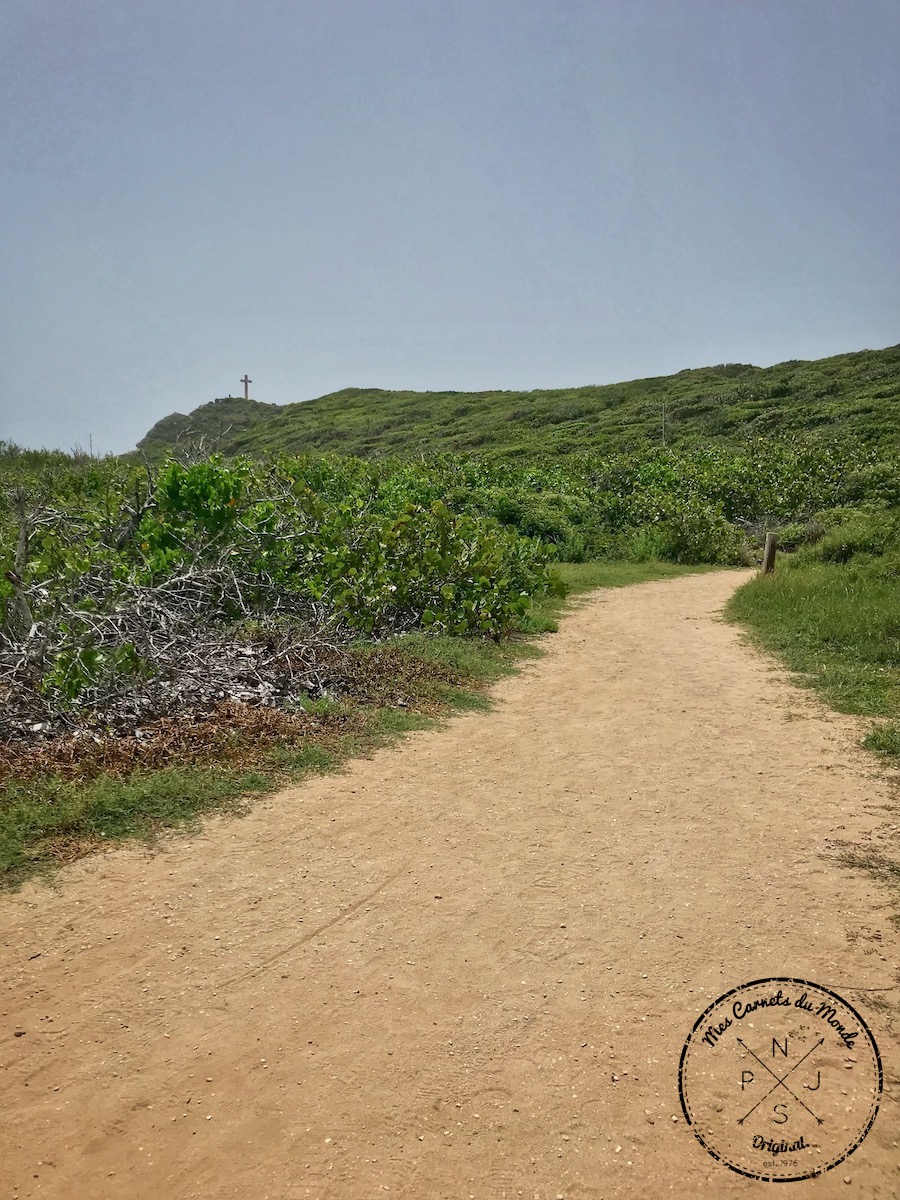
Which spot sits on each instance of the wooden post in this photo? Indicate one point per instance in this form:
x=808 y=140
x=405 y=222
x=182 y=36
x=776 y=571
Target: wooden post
x=768 y=564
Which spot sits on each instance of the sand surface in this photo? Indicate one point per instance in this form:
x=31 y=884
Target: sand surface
x=467 y=966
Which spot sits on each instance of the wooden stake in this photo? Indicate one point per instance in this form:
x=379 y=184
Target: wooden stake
x=768 y=565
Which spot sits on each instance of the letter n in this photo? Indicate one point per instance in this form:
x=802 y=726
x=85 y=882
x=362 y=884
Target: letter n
x=783 y=1049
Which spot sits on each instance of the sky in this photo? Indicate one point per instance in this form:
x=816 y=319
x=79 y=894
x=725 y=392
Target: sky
x=431 y=194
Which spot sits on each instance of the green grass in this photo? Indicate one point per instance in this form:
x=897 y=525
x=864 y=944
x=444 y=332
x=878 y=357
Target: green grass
x=832 y=613
x=885 y=740
x=46 y=820
x=856 y=393
x=837 y=625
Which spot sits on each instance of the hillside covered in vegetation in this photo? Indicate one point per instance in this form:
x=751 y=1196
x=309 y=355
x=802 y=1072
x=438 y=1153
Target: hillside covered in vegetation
x=850 y=394
x=221 y=420
x=267 y=589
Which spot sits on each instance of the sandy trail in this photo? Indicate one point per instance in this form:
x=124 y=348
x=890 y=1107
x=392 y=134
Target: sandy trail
x=418 y=978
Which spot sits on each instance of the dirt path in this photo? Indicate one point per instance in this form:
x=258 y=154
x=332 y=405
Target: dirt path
x=466 y=967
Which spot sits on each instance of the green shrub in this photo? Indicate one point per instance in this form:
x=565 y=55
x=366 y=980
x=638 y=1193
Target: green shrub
x=857 y=533
x=700 y=534
x=799 y=533
x=334 y=542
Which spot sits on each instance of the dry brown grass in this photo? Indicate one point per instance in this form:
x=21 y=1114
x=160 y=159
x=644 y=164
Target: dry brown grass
x=233 y=734
x=236 y=734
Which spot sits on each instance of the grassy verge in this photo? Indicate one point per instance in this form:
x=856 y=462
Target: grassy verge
x=56 y=806
x=832 y=614
x=838 y=626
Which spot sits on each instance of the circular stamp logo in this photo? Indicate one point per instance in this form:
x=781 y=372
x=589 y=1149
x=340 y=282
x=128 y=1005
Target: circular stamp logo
x=780 y=1079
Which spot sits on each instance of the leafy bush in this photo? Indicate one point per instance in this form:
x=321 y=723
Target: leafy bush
x=106 y=572
x=700 y=533
x=854 y=534
x=799 y=533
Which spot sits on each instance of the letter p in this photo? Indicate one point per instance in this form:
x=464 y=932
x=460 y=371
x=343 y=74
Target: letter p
x=746 y=1077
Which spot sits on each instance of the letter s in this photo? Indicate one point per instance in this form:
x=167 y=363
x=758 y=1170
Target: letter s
x=781 y=1116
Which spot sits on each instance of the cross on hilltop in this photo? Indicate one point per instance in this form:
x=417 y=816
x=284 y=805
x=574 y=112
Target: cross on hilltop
x=246 y=382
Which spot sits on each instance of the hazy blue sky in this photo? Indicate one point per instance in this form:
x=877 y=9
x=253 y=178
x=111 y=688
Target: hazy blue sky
x=432 y=194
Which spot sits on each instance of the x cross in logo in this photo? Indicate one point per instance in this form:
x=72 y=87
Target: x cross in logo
x=779 y=1082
